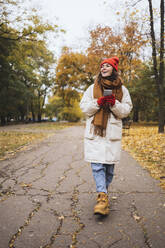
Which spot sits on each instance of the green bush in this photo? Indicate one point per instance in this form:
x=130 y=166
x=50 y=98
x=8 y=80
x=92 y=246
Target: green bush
x=72 y=114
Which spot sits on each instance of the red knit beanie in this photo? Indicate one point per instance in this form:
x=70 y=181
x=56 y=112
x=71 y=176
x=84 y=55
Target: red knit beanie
x=114 y=61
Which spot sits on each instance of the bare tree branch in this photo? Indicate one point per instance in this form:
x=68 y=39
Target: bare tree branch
x=134 y=4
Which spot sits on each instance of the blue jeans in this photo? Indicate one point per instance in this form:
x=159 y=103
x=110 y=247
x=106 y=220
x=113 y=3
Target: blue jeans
x=103 y=175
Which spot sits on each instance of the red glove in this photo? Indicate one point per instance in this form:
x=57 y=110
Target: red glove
x=110 y=99
x=101 y=101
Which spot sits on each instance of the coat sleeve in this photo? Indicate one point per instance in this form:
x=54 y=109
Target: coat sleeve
x=123 y=108
x=88 y=104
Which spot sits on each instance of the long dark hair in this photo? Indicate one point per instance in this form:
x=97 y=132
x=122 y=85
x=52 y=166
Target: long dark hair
x=112 y=78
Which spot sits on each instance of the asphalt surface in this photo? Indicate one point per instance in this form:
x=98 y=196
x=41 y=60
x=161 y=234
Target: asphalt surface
x=48 y=194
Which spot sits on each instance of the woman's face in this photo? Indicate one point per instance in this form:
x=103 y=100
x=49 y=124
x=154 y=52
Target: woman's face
x=106 y=70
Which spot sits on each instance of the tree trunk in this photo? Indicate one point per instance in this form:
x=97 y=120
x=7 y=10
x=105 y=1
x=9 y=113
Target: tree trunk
x=8 y=118
x=158 y=76
x=136 y=115
x=3 y=120
x=39 y=117
x=33 y=114
x=161 y=71
x=39 y=107
x=22 y=117
x=33 y=117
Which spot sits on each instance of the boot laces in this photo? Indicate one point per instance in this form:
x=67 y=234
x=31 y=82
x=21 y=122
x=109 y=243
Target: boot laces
x=102 y=198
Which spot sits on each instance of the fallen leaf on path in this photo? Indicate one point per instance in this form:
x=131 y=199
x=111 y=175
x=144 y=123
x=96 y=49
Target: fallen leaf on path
x=136 y=217
x=26 y=185
x=114 y=197
x=61 y=217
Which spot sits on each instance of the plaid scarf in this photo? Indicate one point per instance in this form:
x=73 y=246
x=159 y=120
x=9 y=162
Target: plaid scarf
x=101 y=117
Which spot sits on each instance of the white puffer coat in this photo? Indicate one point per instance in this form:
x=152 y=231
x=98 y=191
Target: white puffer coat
x=106 y=149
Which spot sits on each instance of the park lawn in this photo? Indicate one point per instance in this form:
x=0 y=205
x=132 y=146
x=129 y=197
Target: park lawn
x=13 y=141
x=148 y=147
x=49 y=125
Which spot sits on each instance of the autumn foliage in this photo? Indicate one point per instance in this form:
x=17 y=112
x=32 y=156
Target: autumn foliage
x=147 y=146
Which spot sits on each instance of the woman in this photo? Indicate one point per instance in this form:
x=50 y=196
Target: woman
x=102 y=142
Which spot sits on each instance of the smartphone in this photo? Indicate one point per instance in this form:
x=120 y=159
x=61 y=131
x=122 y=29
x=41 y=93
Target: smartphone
x=107 y=92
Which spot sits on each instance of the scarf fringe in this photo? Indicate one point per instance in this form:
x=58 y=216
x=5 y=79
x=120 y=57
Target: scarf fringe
x=99 y=131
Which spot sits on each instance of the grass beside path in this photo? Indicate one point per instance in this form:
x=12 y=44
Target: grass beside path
x=17 y=137
x=12 y=141
x=148 y=147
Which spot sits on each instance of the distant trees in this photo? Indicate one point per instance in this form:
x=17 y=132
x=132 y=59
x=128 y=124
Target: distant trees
x=70 y=80
x=25 y=64
x=144 y=95
x=156 y=41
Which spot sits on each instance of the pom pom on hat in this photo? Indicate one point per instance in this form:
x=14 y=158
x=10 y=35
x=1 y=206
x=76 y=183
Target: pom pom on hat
x=114 y=61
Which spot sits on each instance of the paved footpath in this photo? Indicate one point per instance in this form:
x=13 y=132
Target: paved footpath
x=48 y=194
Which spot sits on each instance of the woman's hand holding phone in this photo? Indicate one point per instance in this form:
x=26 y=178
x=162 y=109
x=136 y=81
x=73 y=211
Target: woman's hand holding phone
x=101 y=101
x=110 y=99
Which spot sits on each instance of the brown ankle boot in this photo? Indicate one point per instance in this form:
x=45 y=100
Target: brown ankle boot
x=102 y=206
